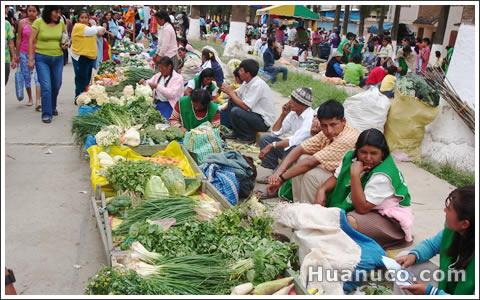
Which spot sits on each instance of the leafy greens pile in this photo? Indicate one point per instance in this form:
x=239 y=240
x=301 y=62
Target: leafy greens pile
x=415 y=85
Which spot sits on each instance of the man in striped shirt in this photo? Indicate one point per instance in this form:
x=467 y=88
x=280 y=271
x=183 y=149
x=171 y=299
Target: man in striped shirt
x=317 y=157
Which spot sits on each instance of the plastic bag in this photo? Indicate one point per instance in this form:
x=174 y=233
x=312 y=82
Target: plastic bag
x=175 y=150
x=203 y=140
x=405 y=126
x=155 y=188
x=19 y=85
x=367 y=110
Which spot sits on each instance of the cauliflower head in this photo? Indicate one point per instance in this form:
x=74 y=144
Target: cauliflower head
x=128 y=91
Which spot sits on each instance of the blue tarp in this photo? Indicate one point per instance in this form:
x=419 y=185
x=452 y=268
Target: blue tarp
x=386 y=27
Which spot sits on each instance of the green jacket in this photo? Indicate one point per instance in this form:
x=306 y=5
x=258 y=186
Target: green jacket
x=187 y=115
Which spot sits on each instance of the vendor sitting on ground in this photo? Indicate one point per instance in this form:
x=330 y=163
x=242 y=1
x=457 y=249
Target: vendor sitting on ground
x=375 y=77
x=209 y=61
x=251 y=106
x=371 y=189
x=406 y=59
x=182 y=42
x=297 y=115
x=189 y=64
x=317 y=157
x=193 y=110
x=203 y=81
x=354 y=71
x=388 y=82
x=257 y=48
x=456 y=246
x=167 y=86
x=269 y=56
x=333 y=66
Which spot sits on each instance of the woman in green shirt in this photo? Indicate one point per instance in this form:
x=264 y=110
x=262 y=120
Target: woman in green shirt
x=47 y=33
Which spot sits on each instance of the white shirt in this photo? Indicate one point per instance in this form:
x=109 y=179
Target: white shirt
x=88 y=31
x=378 y=188
x=299 y=126
x=291 y=34
x=258 y=45
x=172 y=19
x=205 y=65
x=258 y=97
x=191 y=84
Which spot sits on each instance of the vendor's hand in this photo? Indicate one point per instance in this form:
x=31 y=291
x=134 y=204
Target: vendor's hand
x=357 y=167
x=286 y=108
x=152 y=85
x=273 y=188
x=184 y=129
x=31 y=65
x=406 y=260
x=142 y=81
x=321 y=197
x=418 y=288
x=263 y=153
x=274 y=179
x=316 y=127
x=227 y=89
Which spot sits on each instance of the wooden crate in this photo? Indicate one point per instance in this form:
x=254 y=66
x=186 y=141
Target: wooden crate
x=146 y=150
x=103 y=218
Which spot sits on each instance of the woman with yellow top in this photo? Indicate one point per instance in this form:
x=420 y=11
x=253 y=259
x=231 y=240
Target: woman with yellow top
x=84 y=50
x=48 y=55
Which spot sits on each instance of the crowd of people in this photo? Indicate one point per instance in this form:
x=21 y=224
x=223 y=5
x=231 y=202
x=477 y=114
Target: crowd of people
x=325 y=161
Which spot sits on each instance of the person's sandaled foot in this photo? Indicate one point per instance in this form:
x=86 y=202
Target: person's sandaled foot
x=263 y=194
x=38 y=108
x=30 y=103
x=263 y=180
x=47 y=120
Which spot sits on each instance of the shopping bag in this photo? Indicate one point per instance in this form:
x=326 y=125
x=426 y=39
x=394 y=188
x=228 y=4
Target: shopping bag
x=406 y=121
x=202 y=141
x=19 y=85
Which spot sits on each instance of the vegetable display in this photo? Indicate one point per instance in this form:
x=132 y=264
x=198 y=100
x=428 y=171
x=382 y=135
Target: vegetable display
x=107 y=67
x=415 y=85
x=162 y=134
x=127 y=46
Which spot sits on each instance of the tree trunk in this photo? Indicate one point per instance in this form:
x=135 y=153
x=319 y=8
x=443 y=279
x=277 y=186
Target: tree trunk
x=194 y=28
x=316 y=9
x=380 y=21
x=236 y=47
x=437 y=43
x=396 y=20
x=336 y=21
x=361 y=25
x=346 y=14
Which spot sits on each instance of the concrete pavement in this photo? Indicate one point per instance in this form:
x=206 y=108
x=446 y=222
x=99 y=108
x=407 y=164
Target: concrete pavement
x=49 y=225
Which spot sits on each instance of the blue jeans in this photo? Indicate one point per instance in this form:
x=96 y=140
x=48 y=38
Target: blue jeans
x=83 y=73
x=272 y=159
x=389 y=94
x=275 y=70
x=27 y=73
x=49 y=69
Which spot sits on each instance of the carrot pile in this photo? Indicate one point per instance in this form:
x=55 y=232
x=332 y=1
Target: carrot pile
x=161 y=160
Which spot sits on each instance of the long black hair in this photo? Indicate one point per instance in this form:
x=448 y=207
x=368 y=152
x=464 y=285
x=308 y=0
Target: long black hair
x=47 y=13
x=161 y=14
x=201 y=96
x=208 y=72
x=166 y=61
x=463 y=246
x=209 y=55
x=372 y=137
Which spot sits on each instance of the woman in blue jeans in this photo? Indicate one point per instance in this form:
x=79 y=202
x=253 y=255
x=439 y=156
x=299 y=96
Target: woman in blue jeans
x=269 y=57
x=47 y=33
x=84 y=51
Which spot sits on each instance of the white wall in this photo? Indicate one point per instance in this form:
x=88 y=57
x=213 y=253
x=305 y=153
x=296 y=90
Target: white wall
x=409 y=14
x=447 y=138
x=454 y=17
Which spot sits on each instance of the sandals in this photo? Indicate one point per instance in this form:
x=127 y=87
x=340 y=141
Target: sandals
x=29 y=104
x=55 y=113
x=263 y=194
x=47 y=121
x=38 y=108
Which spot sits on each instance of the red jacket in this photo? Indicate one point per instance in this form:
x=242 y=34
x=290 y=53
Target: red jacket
x=105 y=49
x=376 y=76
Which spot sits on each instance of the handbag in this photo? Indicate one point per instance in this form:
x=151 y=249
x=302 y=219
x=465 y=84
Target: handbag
x=19 y=84
x=202 y=141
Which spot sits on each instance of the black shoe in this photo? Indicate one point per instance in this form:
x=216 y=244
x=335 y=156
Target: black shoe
x=246 y=142
x=47 y=120
x=55 y=113
x=231 y=136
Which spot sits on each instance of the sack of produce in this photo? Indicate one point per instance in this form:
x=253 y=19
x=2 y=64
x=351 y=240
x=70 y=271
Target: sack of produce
x=405 y=126
x=367 y=110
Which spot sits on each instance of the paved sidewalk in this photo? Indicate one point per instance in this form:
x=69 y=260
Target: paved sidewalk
x=49 y=224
